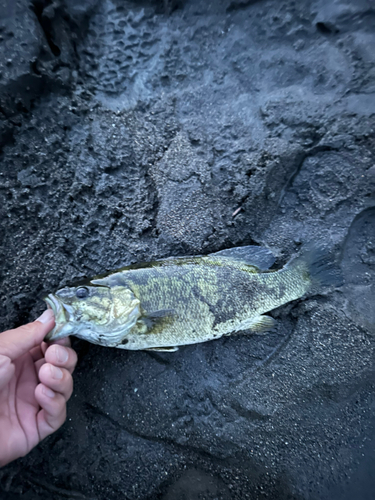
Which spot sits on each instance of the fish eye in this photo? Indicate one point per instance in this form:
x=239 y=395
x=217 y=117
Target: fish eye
x=82 y=293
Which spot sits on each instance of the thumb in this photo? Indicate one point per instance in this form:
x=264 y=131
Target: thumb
x=14 y=343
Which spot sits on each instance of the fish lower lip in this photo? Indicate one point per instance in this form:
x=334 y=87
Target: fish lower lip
x=61 y=312
x=53 y=304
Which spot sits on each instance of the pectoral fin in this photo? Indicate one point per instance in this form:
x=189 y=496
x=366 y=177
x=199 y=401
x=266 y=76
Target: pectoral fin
x=150 y=320
x=258 y=324
x=155 y=317
x=162 y=313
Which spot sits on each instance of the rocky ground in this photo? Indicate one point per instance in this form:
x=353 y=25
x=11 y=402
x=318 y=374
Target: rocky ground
x=135 y=130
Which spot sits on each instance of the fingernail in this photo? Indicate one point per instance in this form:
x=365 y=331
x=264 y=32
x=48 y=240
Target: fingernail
x=48 y=392
x=61 y=354
x=46 y=316
x=56 y=372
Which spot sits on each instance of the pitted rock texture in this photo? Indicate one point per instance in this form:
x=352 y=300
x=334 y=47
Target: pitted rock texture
x=132 y=131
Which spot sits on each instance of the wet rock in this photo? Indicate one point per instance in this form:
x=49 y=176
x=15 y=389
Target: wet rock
x=21 y=39
x=358 y=262
x=37 y=51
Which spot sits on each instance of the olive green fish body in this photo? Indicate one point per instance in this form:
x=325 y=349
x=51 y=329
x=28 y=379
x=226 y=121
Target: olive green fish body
x=182 y=301
x=202 y=302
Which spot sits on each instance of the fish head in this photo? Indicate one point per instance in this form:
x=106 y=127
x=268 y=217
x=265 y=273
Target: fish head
x=102 y=315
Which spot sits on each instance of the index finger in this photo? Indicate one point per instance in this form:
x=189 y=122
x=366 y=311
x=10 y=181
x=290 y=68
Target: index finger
x=65 y=357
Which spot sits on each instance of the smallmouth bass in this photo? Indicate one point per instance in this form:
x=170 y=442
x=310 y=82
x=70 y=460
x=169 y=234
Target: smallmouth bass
x=187 y=300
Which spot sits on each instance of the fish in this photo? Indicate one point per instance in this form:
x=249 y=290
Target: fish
x=172 y=302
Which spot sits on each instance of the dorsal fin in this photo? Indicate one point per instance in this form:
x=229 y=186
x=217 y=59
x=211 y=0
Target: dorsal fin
x=111 y=280
x=260 y=257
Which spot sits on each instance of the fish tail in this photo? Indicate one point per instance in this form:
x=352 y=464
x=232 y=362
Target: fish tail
x=318 y=268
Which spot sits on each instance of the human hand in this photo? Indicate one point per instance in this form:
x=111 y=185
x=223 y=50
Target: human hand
x=35 y=384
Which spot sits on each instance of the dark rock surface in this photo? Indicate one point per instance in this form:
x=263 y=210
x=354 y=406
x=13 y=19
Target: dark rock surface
x=131 y=131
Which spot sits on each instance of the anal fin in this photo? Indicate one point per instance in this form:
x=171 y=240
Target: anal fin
x=257 y=324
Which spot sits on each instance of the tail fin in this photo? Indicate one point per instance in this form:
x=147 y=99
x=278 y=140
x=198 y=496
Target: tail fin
x=319 y=267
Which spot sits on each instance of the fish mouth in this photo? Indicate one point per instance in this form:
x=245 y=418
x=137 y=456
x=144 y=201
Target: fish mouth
x=61 y=314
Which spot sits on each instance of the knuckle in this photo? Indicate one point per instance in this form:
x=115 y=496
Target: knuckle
x=66 y=386
x=67 y=383
x=27 y=328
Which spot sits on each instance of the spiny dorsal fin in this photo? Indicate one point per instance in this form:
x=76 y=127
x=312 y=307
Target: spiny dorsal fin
x=112 y=280
x=258 y=257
